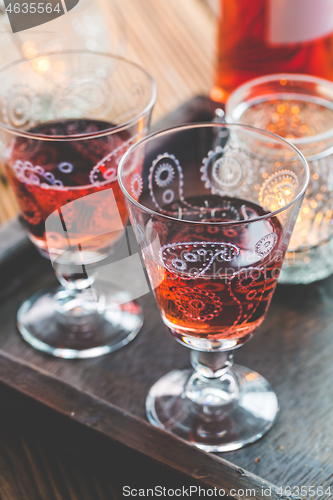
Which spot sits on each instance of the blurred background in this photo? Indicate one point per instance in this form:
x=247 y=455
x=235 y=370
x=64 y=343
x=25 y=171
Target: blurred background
x=174 y=40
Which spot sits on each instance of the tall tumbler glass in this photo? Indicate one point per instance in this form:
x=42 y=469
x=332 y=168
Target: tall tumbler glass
x=213 y=233
x=65 y=121
x=300 y=109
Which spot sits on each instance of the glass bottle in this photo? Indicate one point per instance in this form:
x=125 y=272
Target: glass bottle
x=258 y=37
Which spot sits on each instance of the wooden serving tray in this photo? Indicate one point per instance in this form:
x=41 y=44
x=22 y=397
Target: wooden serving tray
x=101 y=401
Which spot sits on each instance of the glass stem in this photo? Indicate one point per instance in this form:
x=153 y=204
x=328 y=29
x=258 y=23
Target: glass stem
x=78 y=300
x=212 y=386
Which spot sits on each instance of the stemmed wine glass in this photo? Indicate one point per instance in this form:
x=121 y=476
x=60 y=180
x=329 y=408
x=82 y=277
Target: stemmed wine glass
x=213 y=207
x=65 y=121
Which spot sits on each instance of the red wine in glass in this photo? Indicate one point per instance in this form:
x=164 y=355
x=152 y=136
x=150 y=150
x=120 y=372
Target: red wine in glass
x=216 y=282
x=48 y=175
x=63 y=132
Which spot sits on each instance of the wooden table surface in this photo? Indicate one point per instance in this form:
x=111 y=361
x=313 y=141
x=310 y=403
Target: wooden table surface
x=36 y=464
x=175 y=41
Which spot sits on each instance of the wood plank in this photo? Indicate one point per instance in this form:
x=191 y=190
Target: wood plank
x=135 y=433
x=46 y=456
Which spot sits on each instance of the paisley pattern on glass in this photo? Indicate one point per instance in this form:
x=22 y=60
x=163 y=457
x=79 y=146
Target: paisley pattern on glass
x=106 y=169
x=65 y=167
x=266 y=244
x=165 y=181
x=166 y=185
x=87 y=95
x=278 y=190
x=164 y=175
x=193 y=259
x=226 y=171
x=27 y=173
x=136 y=185
x=21 y=107
x=247 y=287
x=197 y=303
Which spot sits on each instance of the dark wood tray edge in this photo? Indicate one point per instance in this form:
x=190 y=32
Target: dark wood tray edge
x=107 y=419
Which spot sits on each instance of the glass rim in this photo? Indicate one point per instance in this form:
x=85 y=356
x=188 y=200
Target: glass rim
x=86 y=136
x=211 y=125
x=274 y=77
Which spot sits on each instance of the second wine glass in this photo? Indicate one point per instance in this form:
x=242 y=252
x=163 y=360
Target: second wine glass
x=213 y=207
x=65 y=121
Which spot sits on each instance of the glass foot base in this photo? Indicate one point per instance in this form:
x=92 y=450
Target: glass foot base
x=213 y=429
x=111 y=323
